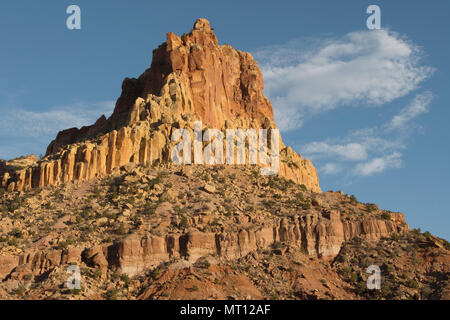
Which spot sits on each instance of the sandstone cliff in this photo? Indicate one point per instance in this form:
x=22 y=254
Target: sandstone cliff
x=133 y=255
x=191 y=78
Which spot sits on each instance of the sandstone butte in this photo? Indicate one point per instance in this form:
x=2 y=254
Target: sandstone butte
x=191 y=78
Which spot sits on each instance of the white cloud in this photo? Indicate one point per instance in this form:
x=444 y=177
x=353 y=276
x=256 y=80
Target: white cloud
x=24 y=131
x=331 y=168
x=379 y=164
x=418 y=106
x=369 y=151
x=25 y=123
x=350 y=151
x=365 y=67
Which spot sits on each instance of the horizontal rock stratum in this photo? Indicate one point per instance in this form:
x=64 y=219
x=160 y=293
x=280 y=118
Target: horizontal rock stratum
x=132 y=255
x=191 y=78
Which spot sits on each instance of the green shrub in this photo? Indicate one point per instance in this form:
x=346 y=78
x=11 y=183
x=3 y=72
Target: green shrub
x=112 y=294
x=203 y=263
x=446 y=244
x=299 y=196
x=20 y=291
x=269 y=203
x=183 y=222
x=412 y=284
x=385 y=216
x=121 y=229
x=75 y=291
x=16 y=233
x=306 y=205
x=97 y=274
x=125 y=278
x=395 y=236
x=386 y=292
x=155 y=273
x=370 y=207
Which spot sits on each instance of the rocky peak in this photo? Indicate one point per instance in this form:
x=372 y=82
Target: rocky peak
x=223 y=83
x=191 y=77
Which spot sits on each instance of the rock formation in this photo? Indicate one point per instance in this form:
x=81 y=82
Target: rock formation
x=319 y=238
x=191 y=78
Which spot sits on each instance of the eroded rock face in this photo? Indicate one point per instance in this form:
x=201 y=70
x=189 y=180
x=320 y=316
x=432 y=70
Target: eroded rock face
x=320 y=236
x=191 y=78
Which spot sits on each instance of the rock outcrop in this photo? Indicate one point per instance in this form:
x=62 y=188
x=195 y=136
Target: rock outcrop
x=320 y=236
x=191 y=78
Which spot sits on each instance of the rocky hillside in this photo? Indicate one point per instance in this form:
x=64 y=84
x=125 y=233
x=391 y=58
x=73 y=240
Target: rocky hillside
x=108 y=199
x=176 y=232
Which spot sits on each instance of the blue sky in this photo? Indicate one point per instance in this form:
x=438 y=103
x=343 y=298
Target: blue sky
x=370 y=108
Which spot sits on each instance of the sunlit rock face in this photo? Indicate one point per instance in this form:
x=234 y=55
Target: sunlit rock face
x=191 y=78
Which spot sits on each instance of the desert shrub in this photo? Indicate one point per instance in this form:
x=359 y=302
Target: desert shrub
x=121 y=229
x=97 y=274
x=183 y=222
x=75 y=291
x=15 y=203
x=341 y=257
x=16 y=233
x=385 y=216
x=412 y=284
x=361 y=288
x=426 y=293
x=269 y=203
x=202 y=263
x=395 y=236
x=125 y=278
x=306 y=205
x=346 y=271
x=20 y=291
x=112 y=294
x=370 y=207
x=386 y=292
x=62 y=245
x=155 y=273
x=299 y=196
x=149 y=208
x=446 y=244
x=110 y=215
x=277 y=245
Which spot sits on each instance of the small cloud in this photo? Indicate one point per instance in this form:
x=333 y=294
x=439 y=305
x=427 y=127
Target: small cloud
x=350 y=151
x=331 y=168
x=418 y=106
x=380 y=164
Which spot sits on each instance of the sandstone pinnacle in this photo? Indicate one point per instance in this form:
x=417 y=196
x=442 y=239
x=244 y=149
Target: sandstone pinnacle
x=191 y=78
